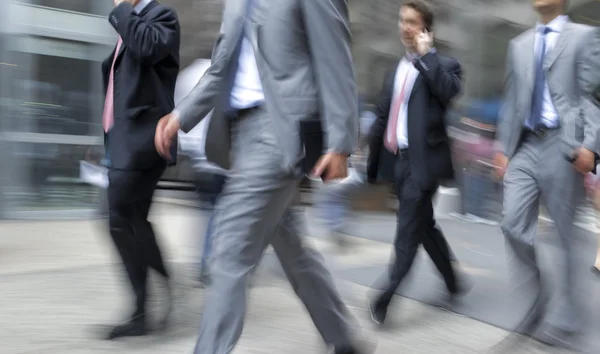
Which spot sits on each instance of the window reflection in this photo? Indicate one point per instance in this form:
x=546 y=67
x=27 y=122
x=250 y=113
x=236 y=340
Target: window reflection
x=52 y=178
x=56 y=95
x=95 y=7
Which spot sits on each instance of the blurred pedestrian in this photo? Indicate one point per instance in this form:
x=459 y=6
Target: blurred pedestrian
x=276 y=63
x=334 y=201
x=139 y=81
x=410 y=144
x=548 y=136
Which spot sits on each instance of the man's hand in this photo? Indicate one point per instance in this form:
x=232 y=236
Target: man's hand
x=500 y=162
x=166 y=130
x=585 y=160
x=424 y=43
x=331 y=166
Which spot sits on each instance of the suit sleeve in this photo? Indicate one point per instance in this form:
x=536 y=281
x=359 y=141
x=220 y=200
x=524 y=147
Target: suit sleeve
x=201 y=100
x=444 y=82
x=328 y=31
x=149 y=40
x=588 y=77
x=377 y=132
x=509 y=104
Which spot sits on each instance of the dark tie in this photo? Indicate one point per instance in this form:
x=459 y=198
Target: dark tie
x=537 y=101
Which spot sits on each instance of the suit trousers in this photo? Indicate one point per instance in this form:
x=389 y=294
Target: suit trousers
x=129 y=199
x=538 y=172
x=253 y=211
x=416 y=225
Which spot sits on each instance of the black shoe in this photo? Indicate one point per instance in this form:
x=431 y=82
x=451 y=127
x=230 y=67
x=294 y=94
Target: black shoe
x=362 y=347
x=133 y=328
x=378 y=313
x=595 y=271
x=463 y=286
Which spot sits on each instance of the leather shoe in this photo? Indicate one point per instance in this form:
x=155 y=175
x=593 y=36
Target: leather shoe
x=133 y=328
x=378 y=313
x=362 y=346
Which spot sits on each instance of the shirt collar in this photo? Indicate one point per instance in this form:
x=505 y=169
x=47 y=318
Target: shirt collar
x=555 y=25
x=141 y=6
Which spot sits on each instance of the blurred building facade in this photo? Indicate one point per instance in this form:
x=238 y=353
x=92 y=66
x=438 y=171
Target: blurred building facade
x=50 y=51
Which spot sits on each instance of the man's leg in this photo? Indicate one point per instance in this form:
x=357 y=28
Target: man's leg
x=562 y=189
x=437 y=247
x=255 y=197
x=521 y=211
x=409 y=234
x=143 y=229
x=313 y=283
x=121 y=215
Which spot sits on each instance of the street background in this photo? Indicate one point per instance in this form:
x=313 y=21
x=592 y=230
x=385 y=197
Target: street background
x=60 y=283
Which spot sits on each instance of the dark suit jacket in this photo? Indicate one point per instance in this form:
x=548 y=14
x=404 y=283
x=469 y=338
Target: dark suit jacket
x=145 y=72
x=437 y=84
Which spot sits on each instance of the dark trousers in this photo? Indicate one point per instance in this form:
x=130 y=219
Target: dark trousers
x=129 y=199
x=415 y=226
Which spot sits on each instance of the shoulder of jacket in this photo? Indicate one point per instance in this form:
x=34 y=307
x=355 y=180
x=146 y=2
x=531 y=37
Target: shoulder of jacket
x=522 y=36
x=160 y=8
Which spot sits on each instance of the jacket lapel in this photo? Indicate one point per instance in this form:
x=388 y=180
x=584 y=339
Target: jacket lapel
x=561 y=43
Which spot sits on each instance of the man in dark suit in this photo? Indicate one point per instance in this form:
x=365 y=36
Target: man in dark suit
x=139 y=81
x=409 y=145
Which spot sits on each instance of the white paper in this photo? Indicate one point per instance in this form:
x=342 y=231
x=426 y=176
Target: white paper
x=93 y=174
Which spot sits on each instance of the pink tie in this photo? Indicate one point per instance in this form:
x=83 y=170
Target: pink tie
x=391 y=137
x=108 y=117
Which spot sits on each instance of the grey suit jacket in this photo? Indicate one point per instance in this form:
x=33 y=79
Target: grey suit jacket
x=572 y=70
x=302 y=50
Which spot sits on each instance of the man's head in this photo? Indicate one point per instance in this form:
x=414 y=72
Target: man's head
x=550 y=6
x=416 y=17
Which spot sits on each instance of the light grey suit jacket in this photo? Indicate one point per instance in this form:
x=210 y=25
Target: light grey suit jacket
x=572 y=70
x=302 y=49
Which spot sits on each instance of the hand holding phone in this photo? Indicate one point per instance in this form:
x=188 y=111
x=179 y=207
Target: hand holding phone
x=424 y=42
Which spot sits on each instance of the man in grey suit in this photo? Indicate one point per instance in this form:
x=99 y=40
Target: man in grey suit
x=275 y=63
x=549 y=135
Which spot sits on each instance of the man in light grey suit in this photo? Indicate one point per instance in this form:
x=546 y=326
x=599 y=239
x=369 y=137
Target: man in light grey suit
x=549 y=135
x=276 y=63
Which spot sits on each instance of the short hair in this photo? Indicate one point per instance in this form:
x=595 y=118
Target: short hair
x=424 y=9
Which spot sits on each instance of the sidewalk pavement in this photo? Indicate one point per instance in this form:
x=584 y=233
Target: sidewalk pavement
x=60 y=279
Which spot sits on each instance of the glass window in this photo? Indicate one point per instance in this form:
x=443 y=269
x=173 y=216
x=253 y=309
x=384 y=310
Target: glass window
x=51 y=177
x=55 y=95
x=95 y=7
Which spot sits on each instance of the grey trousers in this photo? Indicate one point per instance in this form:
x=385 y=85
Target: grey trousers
x=253 y=211
x=540 y=172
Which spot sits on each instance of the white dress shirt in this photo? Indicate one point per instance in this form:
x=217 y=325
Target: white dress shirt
x=549 y=116
x=405 y=70
x=247 y=89
x=141 y=6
